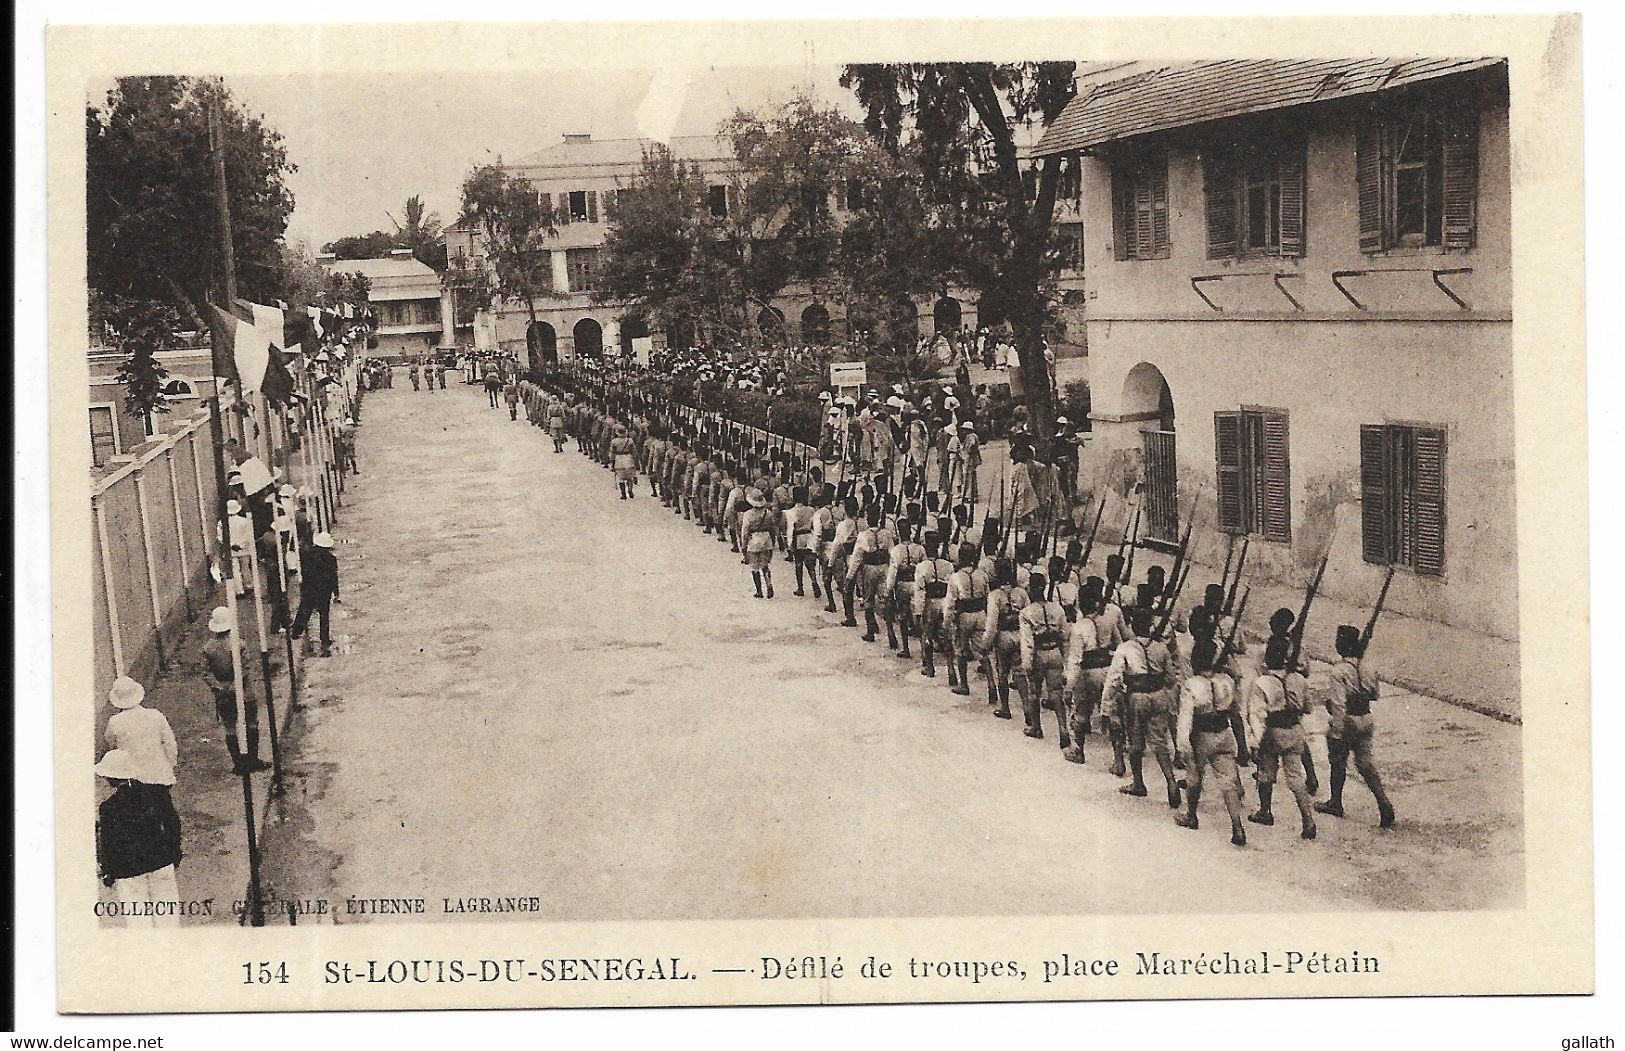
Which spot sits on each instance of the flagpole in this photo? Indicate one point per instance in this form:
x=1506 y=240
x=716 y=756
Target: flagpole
x=227 y=289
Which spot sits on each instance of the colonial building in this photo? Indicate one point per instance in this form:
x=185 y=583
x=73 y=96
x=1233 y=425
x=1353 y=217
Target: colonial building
x=580 y=176
x=189 y=378
x=414 y=311
x=1298 y=316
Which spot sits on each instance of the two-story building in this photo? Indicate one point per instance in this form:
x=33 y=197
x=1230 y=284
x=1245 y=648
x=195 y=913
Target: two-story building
x=580 y=176
x=1298 y=316
x=413 y=310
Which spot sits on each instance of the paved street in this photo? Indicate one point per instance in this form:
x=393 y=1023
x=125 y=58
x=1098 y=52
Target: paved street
x=544 y=690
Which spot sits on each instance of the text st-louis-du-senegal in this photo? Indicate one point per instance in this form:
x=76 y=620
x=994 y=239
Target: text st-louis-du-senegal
x=836 y=968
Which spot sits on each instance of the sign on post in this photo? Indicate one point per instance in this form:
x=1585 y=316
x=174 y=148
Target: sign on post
x=848 y=374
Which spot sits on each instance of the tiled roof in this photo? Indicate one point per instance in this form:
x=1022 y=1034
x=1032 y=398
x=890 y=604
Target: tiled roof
x=1119 y=102
x=624 y=151
x=400 y=266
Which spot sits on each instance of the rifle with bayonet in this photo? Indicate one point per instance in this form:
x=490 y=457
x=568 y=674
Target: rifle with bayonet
x=1230 y=596
x=1089 y=545
x=1376 y=611
x=1238 y=727
x=1296 y=633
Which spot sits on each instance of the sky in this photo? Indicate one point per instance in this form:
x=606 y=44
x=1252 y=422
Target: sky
x=365 y=143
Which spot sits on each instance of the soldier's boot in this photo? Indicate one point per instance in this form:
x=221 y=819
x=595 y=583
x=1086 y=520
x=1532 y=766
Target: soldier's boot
x=962 y=687
x=1334 y=805
x=1263 y=816
x=813 y=575
x=1385 y=809
x=1032 y=707
x=993 y=694
x=801 y=583
x=846 y=602
x=767 y=578
x=902 y=630
x=756 y=578
x=1165 y=764
x=1136 y=764
x=871 y=625
x=1117 y=768
x=1074 y=754
x=1003 y=692
x=928 y=667
x=1311 y=780
x=1188 y=818
x=891 y=634
x=829 y=591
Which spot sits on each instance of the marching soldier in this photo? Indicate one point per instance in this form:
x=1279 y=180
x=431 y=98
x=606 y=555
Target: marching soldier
x=758 y=532
x=901 y=583
x=624 y=453
x=1001 y=639
x=1043 y=658
x=555 y=424
x=1143 y=666
x=968 y=590
x=798 y=522
x=1088 y=656
x=867 y=566
x=1207 y=701
x=930 y=607
x=1275 y=715
x=1353 y=729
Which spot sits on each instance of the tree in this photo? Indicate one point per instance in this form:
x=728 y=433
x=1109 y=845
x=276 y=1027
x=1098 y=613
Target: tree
x=516 y=222
x=960 y=118
x=150 y=233
x=375 y=245
x=792 y=163
x=420 y=231
x=892 y=249
x=664 y=251
x=140 y=329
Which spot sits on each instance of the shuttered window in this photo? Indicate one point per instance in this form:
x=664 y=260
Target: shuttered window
x=103 y=435
x=1255 y=198
x=1254 y=473
x=1219 y=192
x=1417 y=173
x=592 y=206
x=1402 y=496
x=562 y=214
x=717 y=200
x=1140 y=206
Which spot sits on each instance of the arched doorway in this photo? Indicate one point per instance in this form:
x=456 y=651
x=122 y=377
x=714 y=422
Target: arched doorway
x=1149 y=403
x=632 y=328
x=770 y=325
x=542 y=343
x=589 y=338
x=815 y=325
x=946 y=316
x=679 y=334
x=903 y=325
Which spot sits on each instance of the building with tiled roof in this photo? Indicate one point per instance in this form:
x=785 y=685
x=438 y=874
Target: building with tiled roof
x=1299 y=315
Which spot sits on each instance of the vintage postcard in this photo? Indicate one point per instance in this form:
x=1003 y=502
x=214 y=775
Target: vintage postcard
x=753 y=513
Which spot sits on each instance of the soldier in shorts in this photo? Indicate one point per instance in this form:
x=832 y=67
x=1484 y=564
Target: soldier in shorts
x=1043 y=658
x=1143 y=667
x=1001 y=638
x=901 y=573
x=1276 y=712
x=1206 y=701
x=1352 y=728
x=1088 y=655
x=931 y=608
x=868 y=564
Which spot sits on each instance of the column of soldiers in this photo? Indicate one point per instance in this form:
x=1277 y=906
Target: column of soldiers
x=1102 y=653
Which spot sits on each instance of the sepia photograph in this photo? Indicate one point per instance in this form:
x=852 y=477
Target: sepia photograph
x=803 y=485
